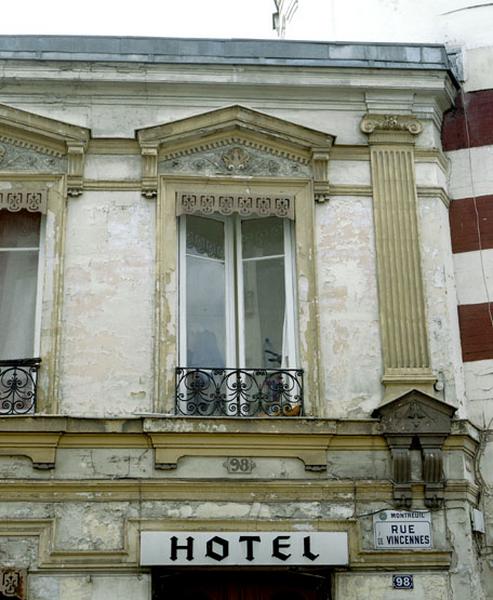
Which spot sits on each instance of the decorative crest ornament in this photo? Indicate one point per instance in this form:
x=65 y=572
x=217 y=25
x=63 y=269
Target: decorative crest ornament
x=236 y=159
x=372 y=123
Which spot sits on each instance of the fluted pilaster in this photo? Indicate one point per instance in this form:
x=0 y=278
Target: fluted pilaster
x=400 y=283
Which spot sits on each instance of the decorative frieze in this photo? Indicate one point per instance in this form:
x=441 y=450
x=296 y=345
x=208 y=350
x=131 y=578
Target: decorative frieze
x=188 y=203
x=16 y=156
x=24 y=199
x=234 y=157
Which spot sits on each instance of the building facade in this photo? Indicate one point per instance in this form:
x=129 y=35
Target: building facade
x=232 y=363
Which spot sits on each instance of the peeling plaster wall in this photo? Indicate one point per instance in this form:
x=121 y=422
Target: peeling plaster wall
x=89 y=587
x=364 y=586
x=108 y=305
x=441 y=301
x=348 y=306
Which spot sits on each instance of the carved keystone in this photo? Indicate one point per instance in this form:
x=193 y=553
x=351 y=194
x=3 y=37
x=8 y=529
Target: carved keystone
x=416 y=417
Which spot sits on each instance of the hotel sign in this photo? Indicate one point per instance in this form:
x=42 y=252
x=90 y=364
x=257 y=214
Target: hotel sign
x=254 y=548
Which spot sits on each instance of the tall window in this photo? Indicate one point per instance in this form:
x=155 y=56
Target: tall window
x=236 y=292
x=19 y=260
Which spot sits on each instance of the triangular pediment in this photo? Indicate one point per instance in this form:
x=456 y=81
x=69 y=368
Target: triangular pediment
x=415 y=412
x=22 y=129
x=237 y=125
x=235 y=141
x=30 y=143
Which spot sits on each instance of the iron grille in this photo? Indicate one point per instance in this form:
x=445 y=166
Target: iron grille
x=18 y=382
x=208 y=392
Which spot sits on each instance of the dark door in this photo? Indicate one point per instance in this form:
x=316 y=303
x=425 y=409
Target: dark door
x=240 y=586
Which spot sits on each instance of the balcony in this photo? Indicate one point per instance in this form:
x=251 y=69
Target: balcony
x=18 y=381
x=206 y=392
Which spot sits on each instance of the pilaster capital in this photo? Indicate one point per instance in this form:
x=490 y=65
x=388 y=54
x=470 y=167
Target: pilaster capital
x=391 y=128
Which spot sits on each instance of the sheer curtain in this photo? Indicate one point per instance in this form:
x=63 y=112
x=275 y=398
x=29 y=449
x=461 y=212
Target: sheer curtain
x=19 y=255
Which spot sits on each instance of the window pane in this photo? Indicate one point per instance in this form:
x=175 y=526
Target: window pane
x=19 y=229
x=206 y=330
x=18 y=276
x=262 y=237
x=205 y=237
x=264 y=302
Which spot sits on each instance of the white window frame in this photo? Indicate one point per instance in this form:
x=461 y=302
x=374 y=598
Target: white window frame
x=234 y=298
x=38 y=306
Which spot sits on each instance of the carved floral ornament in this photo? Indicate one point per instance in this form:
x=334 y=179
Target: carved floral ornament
x=24 y=199
x=391 y=123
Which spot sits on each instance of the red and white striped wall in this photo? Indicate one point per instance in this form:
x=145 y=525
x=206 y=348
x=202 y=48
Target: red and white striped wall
x=467 y=138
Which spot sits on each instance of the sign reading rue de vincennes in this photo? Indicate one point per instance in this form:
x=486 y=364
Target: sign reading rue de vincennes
x=254 y=548
x=402 y=529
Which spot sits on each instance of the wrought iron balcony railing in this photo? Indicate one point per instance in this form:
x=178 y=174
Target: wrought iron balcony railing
x=206 y=392
x=18 y=382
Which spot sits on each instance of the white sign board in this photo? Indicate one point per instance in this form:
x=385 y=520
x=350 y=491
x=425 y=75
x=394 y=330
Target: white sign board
x=402 y=529
x=254 y=548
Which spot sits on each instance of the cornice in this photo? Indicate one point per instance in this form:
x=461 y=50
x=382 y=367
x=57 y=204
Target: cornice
x=221 y=489
x=434 y=192
x=40 y=438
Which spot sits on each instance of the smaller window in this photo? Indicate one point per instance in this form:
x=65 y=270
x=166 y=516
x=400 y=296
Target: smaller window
x=20 y=259
x=19 y=268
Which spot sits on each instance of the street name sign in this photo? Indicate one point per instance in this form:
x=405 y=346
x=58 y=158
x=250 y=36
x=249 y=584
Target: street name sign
x=402 y=529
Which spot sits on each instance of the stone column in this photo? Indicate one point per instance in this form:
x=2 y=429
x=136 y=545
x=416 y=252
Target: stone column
x=400 y=284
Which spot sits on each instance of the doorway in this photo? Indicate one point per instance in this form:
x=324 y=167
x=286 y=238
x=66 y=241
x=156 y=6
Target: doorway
x=239 y=585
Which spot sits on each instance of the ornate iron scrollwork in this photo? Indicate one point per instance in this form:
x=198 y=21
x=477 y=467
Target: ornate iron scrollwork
x=208 y=392
x=18 y=386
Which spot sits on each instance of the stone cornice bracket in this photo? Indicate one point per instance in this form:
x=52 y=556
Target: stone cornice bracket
x=320 y=170
x=75 y=168
x=421 y=421
x=149 y=170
